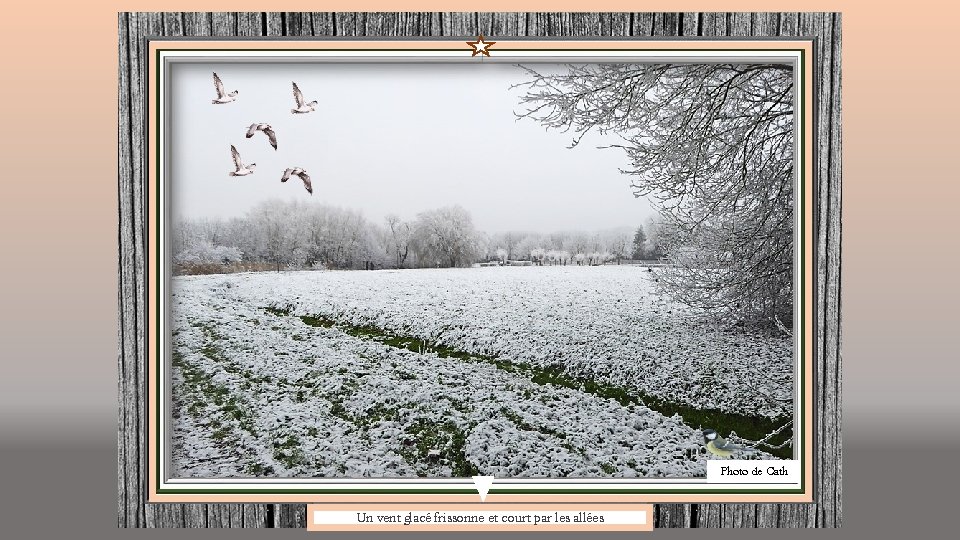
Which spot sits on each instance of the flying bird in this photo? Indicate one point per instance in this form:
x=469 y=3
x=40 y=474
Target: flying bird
x=242 y=170
x=719 y=446
x=297 y=171
x=266 y=129
x=302 y=107
x=222 y=97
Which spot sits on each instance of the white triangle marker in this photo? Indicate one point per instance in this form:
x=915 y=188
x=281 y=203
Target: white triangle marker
x=483 y=484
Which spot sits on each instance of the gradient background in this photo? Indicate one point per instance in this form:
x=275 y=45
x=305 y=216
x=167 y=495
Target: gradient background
x=58 y=228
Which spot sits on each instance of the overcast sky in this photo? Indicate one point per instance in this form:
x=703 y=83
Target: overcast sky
x=390 y=138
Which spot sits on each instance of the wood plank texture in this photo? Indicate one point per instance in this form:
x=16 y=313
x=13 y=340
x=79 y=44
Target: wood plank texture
x=133 y=27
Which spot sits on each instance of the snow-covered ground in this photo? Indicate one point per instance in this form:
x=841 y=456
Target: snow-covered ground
x=260 y=393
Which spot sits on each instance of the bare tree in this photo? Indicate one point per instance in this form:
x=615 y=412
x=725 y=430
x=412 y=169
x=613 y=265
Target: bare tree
x=400 y=233
x=712 y=146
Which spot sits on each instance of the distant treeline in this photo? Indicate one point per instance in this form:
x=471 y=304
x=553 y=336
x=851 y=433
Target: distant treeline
x=291 y=235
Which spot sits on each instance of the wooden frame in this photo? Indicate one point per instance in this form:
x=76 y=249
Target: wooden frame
x=130 y=220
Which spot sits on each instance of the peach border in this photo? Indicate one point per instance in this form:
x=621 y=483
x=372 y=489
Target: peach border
x=400 y=508
x=639 y=44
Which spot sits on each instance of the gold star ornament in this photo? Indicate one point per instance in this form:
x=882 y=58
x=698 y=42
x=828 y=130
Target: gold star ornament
x=480 y=46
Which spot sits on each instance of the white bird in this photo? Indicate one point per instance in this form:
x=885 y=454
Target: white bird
x=242 y=170
x=222 y=97
x=267 y=129
x=297 y=171
x=302 y=108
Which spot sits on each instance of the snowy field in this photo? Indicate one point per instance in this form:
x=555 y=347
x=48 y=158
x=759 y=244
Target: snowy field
x=280 y=392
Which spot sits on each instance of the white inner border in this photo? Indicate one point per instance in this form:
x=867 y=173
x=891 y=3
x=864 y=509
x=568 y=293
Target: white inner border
x=319 y=485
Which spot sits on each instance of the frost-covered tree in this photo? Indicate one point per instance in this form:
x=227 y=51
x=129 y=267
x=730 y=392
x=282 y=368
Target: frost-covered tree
x=527 y=245
x=576 y=242
x=618 y=246
x=287 y=234
x=510 y=241
x=340 y=238
x=200 y=257
x=445 y=236
x=242 y=234
x=194 y=250
x=712 y=146
x=400 y=234
x=279 y=237
x=354 y=248
x=484 y=248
